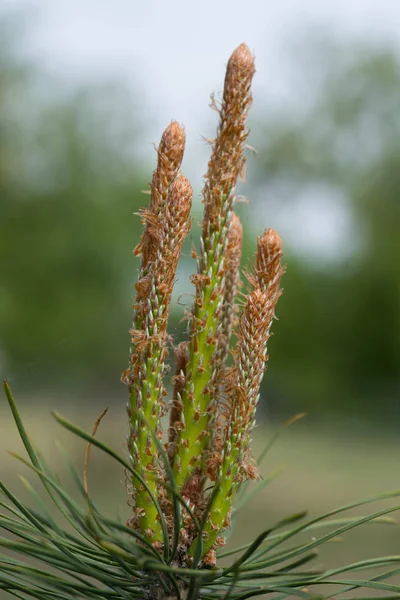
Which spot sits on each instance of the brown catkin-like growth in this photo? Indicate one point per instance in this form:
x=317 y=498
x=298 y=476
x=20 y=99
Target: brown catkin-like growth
x=254 y=328
x=227 y=161
x=169 y=160
x=268 y=260
x=255 y=325
x=170 y=155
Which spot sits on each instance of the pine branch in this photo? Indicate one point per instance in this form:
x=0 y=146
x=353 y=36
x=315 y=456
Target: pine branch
x=167 y=223
x=226 y=164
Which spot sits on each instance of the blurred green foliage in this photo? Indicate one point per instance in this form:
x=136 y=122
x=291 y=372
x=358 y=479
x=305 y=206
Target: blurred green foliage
x=70 y=183
x=337 y=345
x=68 y=193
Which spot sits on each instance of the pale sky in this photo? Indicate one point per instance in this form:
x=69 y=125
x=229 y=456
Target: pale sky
x=175 y=51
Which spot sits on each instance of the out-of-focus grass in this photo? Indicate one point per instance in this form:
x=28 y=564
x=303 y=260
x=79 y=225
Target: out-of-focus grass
x=324 y=468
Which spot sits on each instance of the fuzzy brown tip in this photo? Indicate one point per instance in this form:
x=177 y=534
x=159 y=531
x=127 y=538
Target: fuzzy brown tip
x=271 y=241
x=172 y=143
x=227 y=161
x=170 y=155
x=268 y=260
x=241 y=67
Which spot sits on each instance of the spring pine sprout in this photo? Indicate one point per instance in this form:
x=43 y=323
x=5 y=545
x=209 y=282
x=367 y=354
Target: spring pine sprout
x=210 y=425
x=189 y=456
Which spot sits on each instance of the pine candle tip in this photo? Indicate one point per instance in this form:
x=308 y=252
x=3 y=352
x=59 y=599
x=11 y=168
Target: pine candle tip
x=172 y=143
x=241 y=62
x=174 y=133
x=270 y=241
x=268 y=259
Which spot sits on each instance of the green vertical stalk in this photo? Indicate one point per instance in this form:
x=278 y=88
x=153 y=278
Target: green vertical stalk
x=146 y=399
x=205 y=356
x=237 y=463
x=167 y=223
x=197 y=395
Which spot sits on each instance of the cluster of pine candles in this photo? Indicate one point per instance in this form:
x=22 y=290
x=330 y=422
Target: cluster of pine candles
x=182 y=482
x=212 y=412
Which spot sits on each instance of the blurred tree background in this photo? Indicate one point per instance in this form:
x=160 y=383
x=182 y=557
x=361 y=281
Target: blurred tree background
x=338 y=340
x=70 y=181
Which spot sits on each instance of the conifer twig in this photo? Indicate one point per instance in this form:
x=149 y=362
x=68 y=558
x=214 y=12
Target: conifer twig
x=226 y=164
x=236 y=463
x=167 y=223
